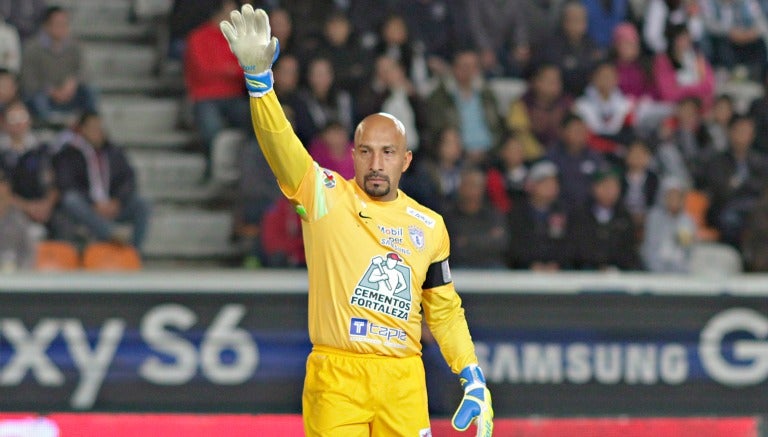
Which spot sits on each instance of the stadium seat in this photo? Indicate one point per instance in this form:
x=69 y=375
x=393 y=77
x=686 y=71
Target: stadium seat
x=715 y=259
x=147 y=9
x=165 y=175
x=110 y=256
x=190 y=233
x=55 y=255
x=506 y=91
x=138 y=121
x=225 y=155
x=696 y=205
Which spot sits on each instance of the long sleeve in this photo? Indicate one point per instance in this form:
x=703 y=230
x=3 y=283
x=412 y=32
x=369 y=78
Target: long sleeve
x=445 y=318
x=285 y=154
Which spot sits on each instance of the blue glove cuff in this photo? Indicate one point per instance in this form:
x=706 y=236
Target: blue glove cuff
x=260 y=83
x=471 y=377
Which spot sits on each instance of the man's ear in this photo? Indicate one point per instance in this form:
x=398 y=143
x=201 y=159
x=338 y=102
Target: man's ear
x=407 y=161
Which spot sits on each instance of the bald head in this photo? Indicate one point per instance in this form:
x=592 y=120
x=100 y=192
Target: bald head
x=381 y=155
x=387 y=124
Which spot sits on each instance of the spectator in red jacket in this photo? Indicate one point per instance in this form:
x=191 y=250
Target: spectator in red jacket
x=506 y=175
x=281 y=242
x=214 y=80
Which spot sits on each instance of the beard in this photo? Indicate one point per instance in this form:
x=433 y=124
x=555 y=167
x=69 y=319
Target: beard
x=376 y=188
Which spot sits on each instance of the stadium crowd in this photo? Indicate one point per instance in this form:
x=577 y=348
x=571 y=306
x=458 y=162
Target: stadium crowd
x=72 y=185
x=624 y=151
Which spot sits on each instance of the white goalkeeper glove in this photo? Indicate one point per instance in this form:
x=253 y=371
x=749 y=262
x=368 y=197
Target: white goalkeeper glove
x=249 y=37
x=476 y=404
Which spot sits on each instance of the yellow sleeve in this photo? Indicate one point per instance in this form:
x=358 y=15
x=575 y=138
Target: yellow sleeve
x=285 y=154
x=445 y=316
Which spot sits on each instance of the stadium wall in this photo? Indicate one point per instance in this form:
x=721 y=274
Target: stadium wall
x=566 y=345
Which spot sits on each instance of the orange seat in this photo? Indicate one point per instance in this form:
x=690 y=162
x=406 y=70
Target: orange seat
x=56 y=256
x=111 y=256
x=696 y=205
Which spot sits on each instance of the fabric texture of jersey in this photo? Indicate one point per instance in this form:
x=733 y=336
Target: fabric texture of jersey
x=367 y=260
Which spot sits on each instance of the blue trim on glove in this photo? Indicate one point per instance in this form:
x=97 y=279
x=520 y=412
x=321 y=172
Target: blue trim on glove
x=471 y=377
x=259 y=84
x=476 y=404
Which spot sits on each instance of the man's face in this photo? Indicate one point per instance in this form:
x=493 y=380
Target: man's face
x=17 y=120
x=548 y=83
x=638 y=157
x=320 y=76
x=575 y=135
x=380 y=156
x=607 y=192
x=93 y=131
x=287 y=73
x=337 y=31
x=673 y=200
x=281 y=24
x=472 y=191
x=395 y=31
x=57 y=26
x=742 y=134
x=466 y=67
x=606 y=79
x=545 y=190
x=575 y=21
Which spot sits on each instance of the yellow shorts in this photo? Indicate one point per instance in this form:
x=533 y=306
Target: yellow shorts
x=353 y=395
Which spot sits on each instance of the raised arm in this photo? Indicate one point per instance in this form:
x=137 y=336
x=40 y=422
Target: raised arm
x=249 y=37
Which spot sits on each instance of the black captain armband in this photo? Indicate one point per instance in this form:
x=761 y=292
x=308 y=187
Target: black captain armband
x=438 y=274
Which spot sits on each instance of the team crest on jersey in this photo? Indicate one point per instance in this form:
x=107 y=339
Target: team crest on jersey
x=385 y=287
x=328 y=179
x=417 y=236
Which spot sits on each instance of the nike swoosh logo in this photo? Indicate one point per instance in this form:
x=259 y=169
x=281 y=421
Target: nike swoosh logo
x=360 y=213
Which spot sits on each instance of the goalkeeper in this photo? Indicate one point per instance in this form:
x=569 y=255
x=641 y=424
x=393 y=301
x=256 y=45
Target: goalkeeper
x=375 y=257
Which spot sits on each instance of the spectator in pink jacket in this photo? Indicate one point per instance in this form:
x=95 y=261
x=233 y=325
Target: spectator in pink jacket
x=633 y=67
x=682 y=71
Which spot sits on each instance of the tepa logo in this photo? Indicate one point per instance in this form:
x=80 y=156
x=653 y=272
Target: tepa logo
x=358 y=326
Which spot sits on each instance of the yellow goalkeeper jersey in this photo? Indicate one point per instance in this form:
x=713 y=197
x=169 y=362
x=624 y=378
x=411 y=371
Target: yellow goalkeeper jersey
x=372 y=265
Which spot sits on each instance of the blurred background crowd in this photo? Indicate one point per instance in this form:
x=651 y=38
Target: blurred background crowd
x=550 y=134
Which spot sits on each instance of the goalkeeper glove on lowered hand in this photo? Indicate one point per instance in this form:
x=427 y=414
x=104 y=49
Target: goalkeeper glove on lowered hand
x=249 y=37
x=476 y=404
